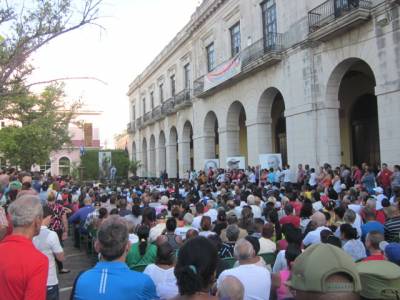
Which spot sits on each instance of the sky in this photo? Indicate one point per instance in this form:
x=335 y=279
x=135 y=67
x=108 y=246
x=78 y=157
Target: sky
x=135 y=32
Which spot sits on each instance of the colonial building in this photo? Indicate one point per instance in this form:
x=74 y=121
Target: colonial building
x=317 y=81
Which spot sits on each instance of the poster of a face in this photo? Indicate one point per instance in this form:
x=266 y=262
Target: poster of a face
x=211 y=163
x=273 y=160
x=237 y=162
x=104 y=164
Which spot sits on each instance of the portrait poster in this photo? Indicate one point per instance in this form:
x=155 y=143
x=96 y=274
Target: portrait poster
x=211 y=163
x=271 y=160
x=104 y=164
x=236 y=162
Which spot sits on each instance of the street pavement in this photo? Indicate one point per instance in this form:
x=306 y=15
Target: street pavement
x=75 y=260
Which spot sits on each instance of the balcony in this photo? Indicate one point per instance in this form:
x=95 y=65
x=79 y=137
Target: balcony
x=168 y=106
x=147 y=118
x=139 y=123
x=131 y=128
x=334 y=17
x=156 y=113
x=261 y=54
x=183 y=99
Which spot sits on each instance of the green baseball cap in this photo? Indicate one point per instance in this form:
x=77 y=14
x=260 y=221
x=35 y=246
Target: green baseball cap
x=380 y=279
x=15 y=185
x=317 y=263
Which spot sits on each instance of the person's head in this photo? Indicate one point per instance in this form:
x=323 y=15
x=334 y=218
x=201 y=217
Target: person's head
x=165 y=254
x=149 y=216
x=112 y=239
x=188 y=219
x=103 y=213
x=191 y=233
x=372 y=240
x=143 y=234
x=232 y=219
x=232 y=233
x=205 y=223
x=122 y=203
x=195 y=270
x=369 y=214
x=48 y=213
x=349 y=216
x=315 y=275
x=348 y=232
x=87 y=201
x=199 y=208
x=51 y=197
x=291 y=253
x=288 y=210
x=268 y=231
x=231 y=288
x=171 y=224
x=244 y=250
x=325 y=234
x=306 y=210
x=254 y=242
x=319 y=219
x=26 y=214
x=391 y=251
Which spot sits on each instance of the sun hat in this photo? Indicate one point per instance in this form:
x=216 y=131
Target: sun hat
x=317 y=263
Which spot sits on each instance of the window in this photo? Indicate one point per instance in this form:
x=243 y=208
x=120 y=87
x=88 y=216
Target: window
x=210 y=57
x=144 y=105
x=172 y=78
x=134 y=113
x=64 y=166
x=161 y=91
x=152 y=100
x=186 y=70
x=235 y=39
x=269 y=23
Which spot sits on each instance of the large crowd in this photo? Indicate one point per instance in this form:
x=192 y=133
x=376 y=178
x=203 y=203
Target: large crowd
x=296 y=233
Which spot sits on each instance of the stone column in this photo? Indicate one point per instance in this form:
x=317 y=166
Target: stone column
x=152 y=163
x=184 y=156
x=171 y=160
x=258 y=141
x=160 y=158
x=228 y=143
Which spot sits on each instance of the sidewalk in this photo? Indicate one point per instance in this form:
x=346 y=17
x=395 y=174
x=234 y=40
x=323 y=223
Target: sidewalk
x=76 y=261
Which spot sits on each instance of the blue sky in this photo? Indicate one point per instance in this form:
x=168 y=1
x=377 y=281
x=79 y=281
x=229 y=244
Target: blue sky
x=136 y=31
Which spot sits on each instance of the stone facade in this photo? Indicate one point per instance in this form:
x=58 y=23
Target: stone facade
x=306 y=66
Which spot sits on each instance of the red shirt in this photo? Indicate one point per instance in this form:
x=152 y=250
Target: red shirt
x=384 y=178
x=290 y=219
x=23 y=270
x=375 y=257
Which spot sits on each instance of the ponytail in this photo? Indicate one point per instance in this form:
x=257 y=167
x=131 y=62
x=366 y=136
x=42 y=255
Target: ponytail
x=143 y=235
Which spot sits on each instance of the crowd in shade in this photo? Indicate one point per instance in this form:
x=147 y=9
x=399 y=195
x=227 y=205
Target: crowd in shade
x=296 y=233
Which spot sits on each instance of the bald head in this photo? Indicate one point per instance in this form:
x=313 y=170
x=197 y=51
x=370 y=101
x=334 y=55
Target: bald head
x=244 y=250
x=319 y=219
x=231 y=288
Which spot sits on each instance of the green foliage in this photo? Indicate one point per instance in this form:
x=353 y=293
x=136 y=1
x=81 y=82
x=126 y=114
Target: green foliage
x=134 y=165
x=90 y=163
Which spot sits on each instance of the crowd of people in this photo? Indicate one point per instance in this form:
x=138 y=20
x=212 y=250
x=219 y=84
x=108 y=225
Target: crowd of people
x=216 y=234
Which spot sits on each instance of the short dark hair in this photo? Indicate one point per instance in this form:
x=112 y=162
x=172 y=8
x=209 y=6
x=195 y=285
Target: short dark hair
x=113 y=238
x=171 y=224
x=165 y=254
x=47 y=211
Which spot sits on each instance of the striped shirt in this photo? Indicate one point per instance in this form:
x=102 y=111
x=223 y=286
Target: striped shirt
x=392 y=229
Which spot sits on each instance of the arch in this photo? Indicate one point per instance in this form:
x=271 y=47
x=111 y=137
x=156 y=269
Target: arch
x=152 y=156
x=211 y=128
x=64 y=166
x=352 y=84
x=162 y=152
x=144 y=158
x=264 y=106
x=236 y=130
x=134 y=157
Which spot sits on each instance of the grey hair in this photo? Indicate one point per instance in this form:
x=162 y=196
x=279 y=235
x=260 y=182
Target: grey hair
x=349 y=216
x=231 y=288
x=25 y=210
x=113 y=237
x=243 y=250
x=232 y=232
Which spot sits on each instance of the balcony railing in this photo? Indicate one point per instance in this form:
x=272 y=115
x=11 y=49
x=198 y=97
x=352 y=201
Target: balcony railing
x=167 y=107
x=183 y=98
x=139 y=122
x=131 y=127
x=147 y=117
x=156 y=113
x=331 y=10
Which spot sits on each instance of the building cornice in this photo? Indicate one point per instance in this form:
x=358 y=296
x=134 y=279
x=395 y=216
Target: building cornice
x=198 y=18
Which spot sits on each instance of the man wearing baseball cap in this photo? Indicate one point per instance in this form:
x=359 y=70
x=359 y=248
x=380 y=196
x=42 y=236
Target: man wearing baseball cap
x=391 y=251
x=324 y=272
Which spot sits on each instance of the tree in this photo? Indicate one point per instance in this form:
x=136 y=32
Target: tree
x=134 y=165
x=28 y=29
x=44 y=129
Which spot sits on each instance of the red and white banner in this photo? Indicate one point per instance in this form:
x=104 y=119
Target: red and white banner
x=222 y=73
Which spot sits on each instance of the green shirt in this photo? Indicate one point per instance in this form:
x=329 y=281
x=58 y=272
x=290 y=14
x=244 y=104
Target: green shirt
x=134 y=258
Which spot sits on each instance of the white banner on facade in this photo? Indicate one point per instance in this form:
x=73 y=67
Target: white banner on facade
x=104 y=164
x=222 y=73
x=272 y=160
x=236 y=162
x=211 y=163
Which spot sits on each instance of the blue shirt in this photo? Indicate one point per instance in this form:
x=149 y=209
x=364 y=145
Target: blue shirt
x=114 y=280
x=81 y=216
x=371 y=226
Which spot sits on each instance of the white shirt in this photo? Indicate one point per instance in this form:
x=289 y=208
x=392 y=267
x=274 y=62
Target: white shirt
x=213 y=214
x=196 y=221
x=164 y=280
x=280 y=262
x=287 y=175
x=206 y=234
x=266 y=246
x=181 y=231
x=156 y=231
x=256 y=281
x=48 y=243
x=314 y=237
x=313 y=179
x=257 y=212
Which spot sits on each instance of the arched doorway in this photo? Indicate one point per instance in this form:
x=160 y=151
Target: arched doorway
x=186 y=148
x=237 y=130
x=353 y=83
x=279 y=127
x=162 y=153
x=211 y=144
x=144 y=158
x=152 y=161
x=134 y=151
x=64 y=166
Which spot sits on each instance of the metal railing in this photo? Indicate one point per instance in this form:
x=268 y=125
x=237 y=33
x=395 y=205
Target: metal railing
x=168 y=106
x=331 y=10
x=273 y=42
x=131 y=127
x=147 y=117
x=156 y=113
x=183 y=97
x=139 y=122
